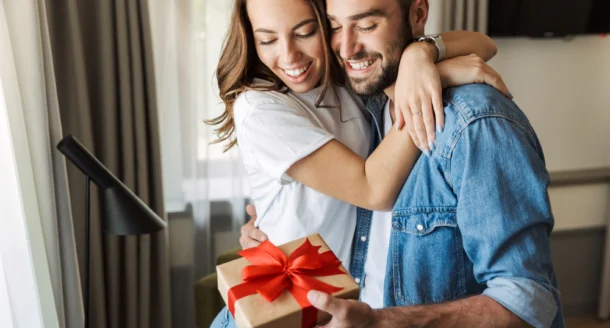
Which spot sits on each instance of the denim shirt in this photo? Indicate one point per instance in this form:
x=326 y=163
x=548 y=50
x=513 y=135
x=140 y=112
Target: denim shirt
x=474 y=218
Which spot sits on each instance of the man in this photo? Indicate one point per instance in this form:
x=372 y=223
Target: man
x=467 y=242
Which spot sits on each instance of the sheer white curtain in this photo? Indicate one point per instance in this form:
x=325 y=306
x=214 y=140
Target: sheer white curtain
x=23 y=272
x=36 y=239
x=187 y=37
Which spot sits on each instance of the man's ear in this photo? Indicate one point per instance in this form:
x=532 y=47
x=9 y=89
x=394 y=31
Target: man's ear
x=419 y=16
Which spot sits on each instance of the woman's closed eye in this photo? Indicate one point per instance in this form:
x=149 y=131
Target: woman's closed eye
x=266 y=43
x=307 y=35
x=299 y=36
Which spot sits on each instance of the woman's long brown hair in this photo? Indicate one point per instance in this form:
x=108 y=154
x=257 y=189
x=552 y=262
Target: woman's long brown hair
x=239 y=65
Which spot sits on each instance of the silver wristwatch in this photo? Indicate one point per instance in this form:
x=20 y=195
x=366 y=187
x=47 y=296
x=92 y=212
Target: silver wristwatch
x=437 y=40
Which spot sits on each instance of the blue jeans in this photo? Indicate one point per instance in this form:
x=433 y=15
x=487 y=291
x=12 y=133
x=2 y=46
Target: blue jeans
x=224 y=319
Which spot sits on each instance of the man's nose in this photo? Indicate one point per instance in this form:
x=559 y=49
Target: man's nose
x=349 y=44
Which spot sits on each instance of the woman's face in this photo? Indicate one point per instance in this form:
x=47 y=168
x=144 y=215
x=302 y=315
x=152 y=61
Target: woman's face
x=288 y=41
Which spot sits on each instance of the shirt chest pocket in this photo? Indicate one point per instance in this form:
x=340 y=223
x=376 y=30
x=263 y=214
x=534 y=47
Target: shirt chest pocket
x=427 y=257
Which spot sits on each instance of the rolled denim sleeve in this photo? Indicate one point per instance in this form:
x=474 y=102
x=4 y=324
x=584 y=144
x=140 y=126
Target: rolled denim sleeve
x=504 y=215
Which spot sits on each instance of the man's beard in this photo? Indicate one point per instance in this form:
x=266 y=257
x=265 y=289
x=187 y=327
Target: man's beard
x=386 y=76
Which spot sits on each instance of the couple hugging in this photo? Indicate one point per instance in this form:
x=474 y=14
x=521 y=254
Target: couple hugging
x=403 y=151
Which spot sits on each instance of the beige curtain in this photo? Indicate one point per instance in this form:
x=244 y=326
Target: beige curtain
x=448 y=15
x=105 y=84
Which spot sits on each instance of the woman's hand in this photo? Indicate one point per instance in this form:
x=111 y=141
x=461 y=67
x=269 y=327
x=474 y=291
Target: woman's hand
x=418 y=92
x=418 y=96
x=470 y=69
x=250 y=235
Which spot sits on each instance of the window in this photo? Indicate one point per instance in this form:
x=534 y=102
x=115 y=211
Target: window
x=25 y=285
x=188 y=38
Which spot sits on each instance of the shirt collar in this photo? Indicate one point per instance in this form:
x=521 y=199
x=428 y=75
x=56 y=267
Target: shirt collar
x=375 y=106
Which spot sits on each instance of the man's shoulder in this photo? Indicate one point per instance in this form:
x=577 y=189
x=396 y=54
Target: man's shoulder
x=475 y=108
x=475 y=101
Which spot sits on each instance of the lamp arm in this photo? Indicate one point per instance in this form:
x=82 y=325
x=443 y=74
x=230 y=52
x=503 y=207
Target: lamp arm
x=86 y=162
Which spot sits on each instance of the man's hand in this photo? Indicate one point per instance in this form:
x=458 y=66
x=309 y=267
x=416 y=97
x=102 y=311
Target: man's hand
x=346 y=313
x=476 y=312
x=250 y=235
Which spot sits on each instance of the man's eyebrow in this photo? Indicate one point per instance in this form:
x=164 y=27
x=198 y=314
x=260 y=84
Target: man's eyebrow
x=301 y=24
x=368 y=13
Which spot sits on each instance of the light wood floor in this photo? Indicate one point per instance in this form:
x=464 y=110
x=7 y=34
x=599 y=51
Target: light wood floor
x=586 y=322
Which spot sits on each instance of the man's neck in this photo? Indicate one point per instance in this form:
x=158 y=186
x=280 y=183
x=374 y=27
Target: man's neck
x=389 y=91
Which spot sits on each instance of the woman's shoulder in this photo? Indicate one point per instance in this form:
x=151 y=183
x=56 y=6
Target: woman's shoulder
x=256 y=99
x=261 y=102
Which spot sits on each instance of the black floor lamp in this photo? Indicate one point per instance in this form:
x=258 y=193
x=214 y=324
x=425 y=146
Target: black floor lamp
x=125 y=213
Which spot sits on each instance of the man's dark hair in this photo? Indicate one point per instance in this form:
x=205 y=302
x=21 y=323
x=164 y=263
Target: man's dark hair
x=405 y=8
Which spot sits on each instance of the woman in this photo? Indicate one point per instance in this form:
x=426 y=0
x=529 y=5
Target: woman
x=303 y=137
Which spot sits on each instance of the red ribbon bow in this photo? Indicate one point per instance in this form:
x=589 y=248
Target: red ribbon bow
x=271 y=272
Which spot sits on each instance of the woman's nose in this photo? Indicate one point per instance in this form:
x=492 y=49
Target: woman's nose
x=290 y=52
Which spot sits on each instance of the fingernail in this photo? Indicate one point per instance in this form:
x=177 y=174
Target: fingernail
x=510 y=94
x=439 y=128
x=432 y=147
x=312 y=296
x=427 y=152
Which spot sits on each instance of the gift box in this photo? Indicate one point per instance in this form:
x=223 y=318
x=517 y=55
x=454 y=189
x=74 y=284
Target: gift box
x=268 y=286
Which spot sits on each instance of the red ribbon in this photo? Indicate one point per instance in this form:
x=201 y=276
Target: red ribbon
x=271 y=272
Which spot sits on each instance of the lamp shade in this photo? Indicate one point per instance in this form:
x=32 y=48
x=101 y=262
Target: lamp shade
x=125 y=213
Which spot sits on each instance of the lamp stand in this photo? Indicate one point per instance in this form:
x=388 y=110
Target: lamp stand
x=124 y=213
x=87 y=234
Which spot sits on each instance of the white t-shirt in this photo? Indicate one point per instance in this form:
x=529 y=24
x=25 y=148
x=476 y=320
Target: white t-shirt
x=379 y=242
x=275 y=130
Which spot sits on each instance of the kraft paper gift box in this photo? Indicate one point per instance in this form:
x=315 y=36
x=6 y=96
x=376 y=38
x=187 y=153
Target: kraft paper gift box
x=267 y=278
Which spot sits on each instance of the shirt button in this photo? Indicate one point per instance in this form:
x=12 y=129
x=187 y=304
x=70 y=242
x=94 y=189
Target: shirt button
x=363 y=238
x=357 y=280
x=420 y=227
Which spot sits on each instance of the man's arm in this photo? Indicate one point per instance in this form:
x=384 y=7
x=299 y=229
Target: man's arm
x=505 y=219
x=476 y=311
x=503 y=212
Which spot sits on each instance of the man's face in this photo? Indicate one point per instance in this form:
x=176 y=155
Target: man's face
x=368 y=37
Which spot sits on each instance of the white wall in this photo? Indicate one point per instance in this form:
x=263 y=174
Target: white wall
x=564 y=88
x=562 y=85
x=580 y=207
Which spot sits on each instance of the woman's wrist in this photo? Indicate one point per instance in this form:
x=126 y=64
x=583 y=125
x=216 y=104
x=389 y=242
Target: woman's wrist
x=421 y=50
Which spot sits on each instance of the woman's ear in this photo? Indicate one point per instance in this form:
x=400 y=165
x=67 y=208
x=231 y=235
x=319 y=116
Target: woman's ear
x=419 y=16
